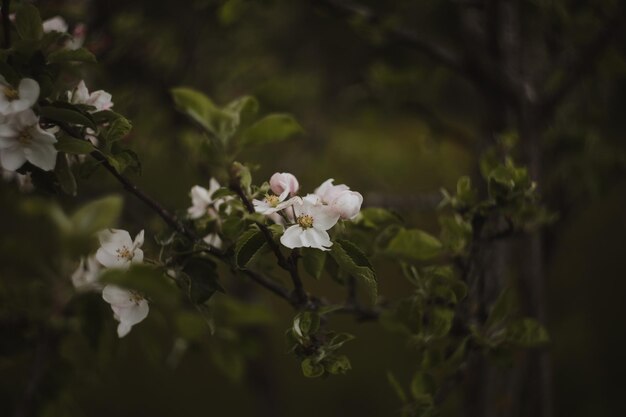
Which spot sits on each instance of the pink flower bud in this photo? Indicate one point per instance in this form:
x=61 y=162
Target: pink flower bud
x=284 y=183
x=329 y=192
x=347 y=204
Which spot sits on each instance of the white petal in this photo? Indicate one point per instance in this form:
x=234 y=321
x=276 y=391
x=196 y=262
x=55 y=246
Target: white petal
x=12 y=158
x=213 y=186
x=111 y=260
x=81 y=94
x=26 y=118
x=113 y=239
x=123 y=329
x=213 y=239
x=28 y=91
x=292 y=237
x=133 y=313
x=137 y=256
x=42 y=155
x=315 y=238
x=55 y=24
x=138 y=240
x=8 y=131
x=323 y=217
x=113 y=294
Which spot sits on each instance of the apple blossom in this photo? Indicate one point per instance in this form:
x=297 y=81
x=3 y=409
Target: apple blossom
x=284 y=183
x=129 y=307
x=86 y=275
x=273 y=203
x=347 y=204
x=21 y=140
x=312 y=222
x=14 y=100
x=328 y=192
x=117 y=250
x=55 y=24
x=202 y=201
x=100 y=99
x=213 y=239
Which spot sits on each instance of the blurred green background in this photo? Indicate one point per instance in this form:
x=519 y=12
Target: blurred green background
x=381 y=117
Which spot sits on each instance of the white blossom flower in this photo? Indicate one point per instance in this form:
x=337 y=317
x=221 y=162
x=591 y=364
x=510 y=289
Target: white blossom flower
x=22 y=139
x=202 y=201
x=100 y=99
x=55 y=24
x=78 y=37
x=213 y=239
x=86 y=275
x=284 y=183
x=14 y=100
x=312 y=222
x=339 y=197
x=129 y=307
x=117 y=250
x=273 y=203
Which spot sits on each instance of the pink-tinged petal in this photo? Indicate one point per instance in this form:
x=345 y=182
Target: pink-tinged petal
x=313 y=199
x=284 y=183
x=113 y=239
x=117 y=296
x=348 y=204
x=101 y=100
x=43 y=155
x=28 y=91
x=324 y=187
x=111 y=260
x=12 y=158
x=137 y=256
x=292 y=237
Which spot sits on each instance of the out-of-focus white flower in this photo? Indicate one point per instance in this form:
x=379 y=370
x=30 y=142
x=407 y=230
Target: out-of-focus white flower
x=78 y=37
x=273 y=203
x=15 y=100
x=213 y=239
x=118 y=250
x=284 y=183
x=339 y=197
x=86 y=275
x=21 y=140
x=202 y=201
x=312 y=222
x=129 y=307
x=100 y=99
x=55 y=24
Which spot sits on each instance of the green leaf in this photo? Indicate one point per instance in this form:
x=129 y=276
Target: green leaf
x=271 y=128
x=526 y=333
x=64 y=175
x=148 y=280
x=337 y=340
x=373 y=217
x=311 y=369
x=337 y=365
x=313 y=261
x=505 y=306
x=28 y=22
x=440 y=321
x=244 y=107
x=66 y=114
x=353 y=261
x=105 y=116
x=199 y=107
x=248 y=245
x=117 y=130
x=414 y=244
x=396 y=386
x=71 y=55
x=305 y=324
x=199 y=278
x=97 y=215
x=73 y=145
x=190 y=326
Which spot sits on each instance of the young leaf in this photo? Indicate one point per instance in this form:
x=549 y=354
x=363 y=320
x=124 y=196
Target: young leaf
x=71 y=55
x=73 y=146
x=271 y=128
x=117 y=130
x=200 y=108
x=311 y=369
x=526 y=333
x=66 y=114
x=199 y=278
x=354 y=262
x=414 y=244
x=247 y=246
x=337 y=365
x=28 y=22
x=97 y=215
x=313 y=261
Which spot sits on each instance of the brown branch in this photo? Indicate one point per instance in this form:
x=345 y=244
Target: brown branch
x=270 y=285
x=6 y=23
x=288 y=264
x=576 y=66
x=481 y=74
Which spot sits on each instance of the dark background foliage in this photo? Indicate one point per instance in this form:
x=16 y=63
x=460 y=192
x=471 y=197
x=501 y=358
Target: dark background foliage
x=392 y=119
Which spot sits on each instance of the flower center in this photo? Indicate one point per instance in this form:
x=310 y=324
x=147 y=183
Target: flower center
x=124 y=253
x=136 y=297
x=305 y=221
x=10 y=93
x=272 y=200
x=25 y=137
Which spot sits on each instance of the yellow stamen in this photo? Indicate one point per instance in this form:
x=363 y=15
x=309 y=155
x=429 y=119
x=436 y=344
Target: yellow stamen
x=11 y=93
x=305 y=221
x=24 y=138
x=124 y=253
x=272 y=200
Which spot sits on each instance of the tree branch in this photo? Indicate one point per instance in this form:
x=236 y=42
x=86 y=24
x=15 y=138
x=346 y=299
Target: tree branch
x=576 y=66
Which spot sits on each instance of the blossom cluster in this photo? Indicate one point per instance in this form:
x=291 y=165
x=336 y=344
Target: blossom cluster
x=117 y=250
x=308 y=218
